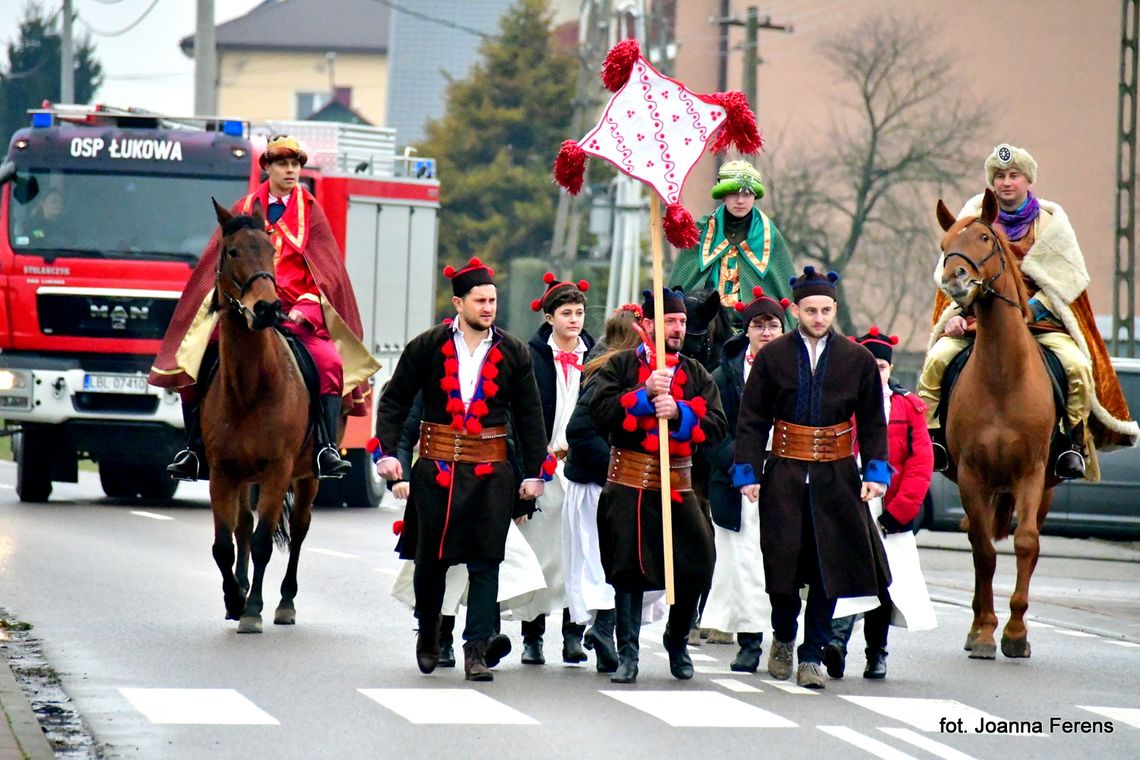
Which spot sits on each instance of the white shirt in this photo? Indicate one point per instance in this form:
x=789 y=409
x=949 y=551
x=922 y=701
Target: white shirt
x=813 y=354
x=470 y=362
x=567 y=385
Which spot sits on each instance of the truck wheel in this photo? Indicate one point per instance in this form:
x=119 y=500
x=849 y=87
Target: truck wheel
x=33 y=466
x=155 y=483
x=119 y=479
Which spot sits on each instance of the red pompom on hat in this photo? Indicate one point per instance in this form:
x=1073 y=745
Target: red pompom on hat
x=554 y=288
x=761 y=305
x=472 y=275
x=881 y=346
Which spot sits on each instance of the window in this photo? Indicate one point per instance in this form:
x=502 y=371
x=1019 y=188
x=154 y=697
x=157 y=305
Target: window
x=310 y=102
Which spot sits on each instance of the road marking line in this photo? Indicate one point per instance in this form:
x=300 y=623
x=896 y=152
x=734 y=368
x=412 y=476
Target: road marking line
x=151 y=515
x=700 y=709
x=738 y=686
x=331 y=553
x=863 y=742
x=926 y=743
x=387 y=570
x=694 y=656
x=791 y=688
x=450 y=706
x=198 y=707
x=924 y=714
x=1129 y=644
x=1129 y=715
x=1076 y=634
x=1038 y=624
x=718 y=670
x=7 y=487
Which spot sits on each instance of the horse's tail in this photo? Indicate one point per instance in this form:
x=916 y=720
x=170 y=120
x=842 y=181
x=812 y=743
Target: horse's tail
x=1003 y=515
x=281 y=532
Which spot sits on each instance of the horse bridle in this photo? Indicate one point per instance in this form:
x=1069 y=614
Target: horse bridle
x=986 y=286
x=243 y=287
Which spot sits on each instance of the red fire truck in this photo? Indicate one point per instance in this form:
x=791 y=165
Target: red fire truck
x=104 y=214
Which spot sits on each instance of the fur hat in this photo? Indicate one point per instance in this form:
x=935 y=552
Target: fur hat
x=554 y=287
x=282 y=146
x=1006 y=156
x=812 y=283
x=737 y=176
x=761 y=305
x=881 y=346
x=674 y=303
x=470 y=276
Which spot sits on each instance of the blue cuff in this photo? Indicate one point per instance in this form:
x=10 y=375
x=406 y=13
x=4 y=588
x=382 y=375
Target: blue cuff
x=1040 y=313
x=643 y=406
x=688 y=420
x=877 y=471
x=743 y=475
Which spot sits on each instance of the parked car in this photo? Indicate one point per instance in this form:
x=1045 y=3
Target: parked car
x=1107 y=509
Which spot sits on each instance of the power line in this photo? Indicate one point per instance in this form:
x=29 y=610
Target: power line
x=125 y=29
x=434 y=19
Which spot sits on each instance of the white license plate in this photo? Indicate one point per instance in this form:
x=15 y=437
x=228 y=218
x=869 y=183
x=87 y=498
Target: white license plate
x=114 y=383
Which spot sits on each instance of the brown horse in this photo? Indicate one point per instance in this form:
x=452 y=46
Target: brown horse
x=1000 y=418
x=255 y=419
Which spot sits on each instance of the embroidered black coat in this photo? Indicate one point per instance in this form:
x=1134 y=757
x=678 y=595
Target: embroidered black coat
x=629 y=519
x=724 y=498
x=781 y=386
x=456 y=515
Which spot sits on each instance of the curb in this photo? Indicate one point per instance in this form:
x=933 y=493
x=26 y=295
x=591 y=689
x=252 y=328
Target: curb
x=1104 y=634
x=19 y=716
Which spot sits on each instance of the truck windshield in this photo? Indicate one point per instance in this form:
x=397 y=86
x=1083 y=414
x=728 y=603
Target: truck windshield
x=116 y=215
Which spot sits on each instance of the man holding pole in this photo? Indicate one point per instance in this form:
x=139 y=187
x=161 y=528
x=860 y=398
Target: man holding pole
x=631 y=401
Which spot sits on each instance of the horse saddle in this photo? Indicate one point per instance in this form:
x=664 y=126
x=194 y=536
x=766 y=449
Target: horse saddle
x=1053 y=368
x=308 y=369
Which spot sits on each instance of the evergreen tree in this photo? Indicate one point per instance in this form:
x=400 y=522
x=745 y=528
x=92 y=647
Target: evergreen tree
x=496 y=142
x=32 y=75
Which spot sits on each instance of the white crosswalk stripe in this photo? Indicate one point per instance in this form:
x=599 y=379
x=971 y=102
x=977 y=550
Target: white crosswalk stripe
x=1126 y=644
x=451 y=706
x=738 y=686
x=1129 y=715
x=791 y=688
x=1076 y=634
x=931 y=715
x=864 y=742
x=197 y=707
x=694 y=656
x=703 y=709
x=937 y=749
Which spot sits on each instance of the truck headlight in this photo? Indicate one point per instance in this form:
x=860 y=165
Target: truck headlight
x=15 y=389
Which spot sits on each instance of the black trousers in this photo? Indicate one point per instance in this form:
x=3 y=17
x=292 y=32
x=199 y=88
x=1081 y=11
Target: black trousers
x=430 y=580
x=876 y=624
x=536 y=629
x=820 y=607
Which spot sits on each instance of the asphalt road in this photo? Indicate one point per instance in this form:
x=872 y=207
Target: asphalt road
x=127 y=602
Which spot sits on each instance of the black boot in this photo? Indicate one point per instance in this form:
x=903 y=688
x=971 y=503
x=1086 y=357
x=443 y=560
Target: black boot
x=941 y=454
x=876 y=663
x=427 y=645
x=329 y=464
x=627 y=618
x=572 y=651
x=187 y=464
x=680 y=664
x=1070 y=462
x=475 y=666
x=532 y=651
x=447 y=642
x=748 y=658
x=600 y=638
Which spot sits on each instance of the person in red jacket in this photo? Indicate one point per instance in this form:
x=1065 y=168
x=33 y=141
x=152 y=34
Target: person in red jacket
x=911 y=457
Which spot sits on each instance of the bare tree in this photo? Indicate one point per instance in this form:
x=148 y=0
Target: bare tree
x=904 y=133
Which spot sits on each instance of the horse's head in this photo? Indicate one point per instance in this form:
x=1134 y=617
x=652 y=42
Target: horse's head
x=975 y=256
x=246 y=282
x=708 y=326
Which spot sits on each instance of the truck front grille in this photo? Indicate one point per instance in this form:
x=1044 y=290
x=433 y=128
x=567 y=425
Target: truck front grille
x=104 y=316
x=113 y=403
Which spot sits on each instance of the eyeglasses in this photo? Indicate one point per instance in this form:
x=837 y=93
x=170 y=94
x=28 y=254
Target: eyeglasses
x=766 y=328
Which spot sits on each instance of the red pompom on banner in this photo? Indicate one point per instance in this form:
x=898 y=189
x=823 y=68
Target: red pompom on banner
x=484 y=470
x=443 y=479
x=629 y=423
x=619 y=64
x=398 y=527
x=739 y=124
x=570 y=167
x=490 y=389
x=680 y=229
x=474 y=426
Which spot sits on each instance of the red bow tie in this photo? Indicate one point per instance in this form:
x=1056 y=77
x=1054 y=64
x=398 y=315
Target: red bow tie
x=749 y=358
x=567 y=359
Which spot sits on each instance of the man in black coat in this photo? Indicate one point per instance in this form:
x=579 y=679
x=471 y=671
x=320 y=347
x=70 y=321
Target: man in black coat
x=815 y=530
x=473 y=376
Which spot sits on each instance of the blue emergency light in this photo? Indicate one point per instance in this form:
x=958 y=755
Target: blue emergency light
x=232 y=128
x=40 y=120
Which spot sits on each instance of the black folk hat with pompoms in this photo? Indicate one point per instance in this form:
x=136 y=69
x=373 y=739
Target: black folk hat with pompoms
x=475 y=273
x=813 y=283
x=674 y=303
x=881 y=346
x=553 y=289
x=761 y=305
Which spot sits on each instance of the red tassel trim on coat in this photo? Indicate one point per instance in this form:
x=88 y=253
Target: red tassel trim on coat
x=484 y=470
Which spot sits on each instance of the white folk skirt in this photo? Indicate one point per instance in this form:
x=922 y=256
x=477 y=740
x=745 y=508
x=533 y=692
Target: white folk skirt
x=737 y=602
x=543 y=532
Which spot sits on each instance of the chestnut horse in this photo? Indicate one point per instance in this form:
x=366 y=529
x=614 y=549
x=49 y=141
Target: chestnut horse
x=255 y=421
x=1000 y=419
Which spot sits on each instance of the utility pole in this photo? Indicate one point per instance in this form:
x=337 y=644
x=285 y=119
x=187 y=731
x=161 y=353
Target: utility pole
x=205 y=61
x=1124 y=275
x=752 y=28
x=66 y=57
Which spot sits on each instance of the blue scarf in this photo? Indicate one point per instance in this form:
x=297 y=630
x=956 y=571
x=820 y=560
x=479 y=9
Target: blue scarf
x=1016 y=223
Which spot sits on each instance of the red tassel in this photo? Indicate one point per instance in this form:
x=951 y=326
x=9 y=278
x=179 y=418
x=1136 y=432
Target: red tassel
x=629 y=423
x=739 y=124
x=680 y=229
x=648 y=422
x=457 y=422
x=550 y=466
x=398 y=527
x=619 y=63
x=699 y=406
x=495 y=355
x=698 y=435
x=676 y=497
x=443 y=478
x=451 y=366
x=455 y=406
x=484 y=470
x=628 y=400
x=448 y=349
x=650 y=443
x=570 y=167
x=474 y=427
x=372 y=445
x=680 y=378
x=490 y=389
x=490 y=371
x=449 y=384
x=478 y=408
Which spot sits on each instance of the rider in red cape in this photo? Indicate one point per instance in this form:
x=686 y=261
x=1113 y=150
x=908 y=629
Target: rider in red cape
x=315 y=294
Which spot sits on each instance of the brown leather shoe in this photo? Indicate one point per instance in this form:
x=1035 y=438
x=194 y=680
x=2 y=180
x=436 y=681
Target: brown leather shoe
x=427 y=646
x=474 y=666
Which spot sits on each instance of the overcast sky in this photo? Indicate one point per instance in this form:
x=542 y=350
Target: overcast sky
x=142 y=67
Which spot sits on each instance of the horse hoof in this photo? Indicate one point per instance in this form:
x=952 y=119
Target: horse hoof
x=1015 y=647
x=285 y=616
x=970 y=639
x=983 y=651
x=249 y=624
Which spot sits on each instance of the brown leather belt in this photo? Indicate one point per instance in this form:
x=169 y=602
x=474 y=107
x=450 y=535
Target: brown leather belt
x=447 y=444
x=637 y=470
x=811 y=444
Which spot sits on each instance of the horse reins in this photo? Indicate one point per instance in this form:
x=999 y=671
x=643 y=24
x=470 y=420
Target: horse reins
x=243 y=287
x=986 y=286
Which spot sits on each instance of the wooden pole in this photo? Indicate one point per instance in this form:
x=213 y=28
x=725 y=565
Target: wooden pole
x=662 y=424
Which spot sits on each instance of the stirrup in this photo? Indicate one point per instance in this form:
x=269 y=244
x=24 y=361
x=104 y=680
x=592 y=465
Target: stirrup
x=334 y=469
x=1069 y=470
x=185 y=466
x=941 y=457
